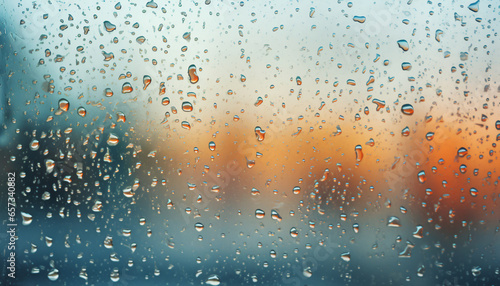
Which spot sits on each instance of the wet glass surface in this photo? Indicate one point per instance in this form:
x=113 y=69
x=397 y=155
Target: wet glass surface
x=250 y=143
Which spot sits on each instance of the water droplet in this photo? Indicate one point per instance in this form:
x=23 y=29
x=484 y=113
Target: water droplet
x=406 y=66
x=126 y=88
x=476 y=270
x=474 y=7
x=355 y=227
x=419 y=233
x=193 y=76
x=211 y=146
x=406 y=253
x=298 y=80
x=49 y=164
x=120 y=117
x=34 y=145
x=115 y=275
x=311 y=12
x=199 y=226
x=359 y=19
x=429 y=136
x=438 y=35
x=108 y=92
x=462 y=152
x=260 y=133
x=109 y=26
x=63 y=105
x=97 y=207
x=473 y=192
x=421 y=177
x=296 y=190
x=46 y=196
x=128 y=192
x=259 y=214
x=359 y=152
x=146 y=80
x=294 y=232
x=407 y=109
x=307 y=272
x=186 y=125
x=406 y=131
x=82 y=111
x=346 y=256
x=255 y=192
x=53 y=275
x=394 y=222
x=113 y=140
x=152 y=4
x=141 y=39
x=403 y=44
x=420 y=271
x=27 y=218
x=213 y=280
x=187 y=106
x=275 y=215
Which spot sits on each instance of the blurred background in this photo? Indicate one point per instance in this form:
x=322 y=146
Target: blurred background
x=242 y=143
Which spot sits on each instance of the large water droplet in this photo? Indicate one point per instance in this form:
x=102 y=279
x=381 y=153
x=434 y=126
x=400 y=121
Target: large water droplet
x=113 y=140
x=260 y=134
x=403 y=44
x=53 y=275
x=359 y=153
x=213 y=280
x=199 y=226
x=211 y=146
x=187 y=106
x=394 y=222
x=473 y=192
x=109 y=26
x=126 y=88
x=407 y=109
x=346 y=256
x=421 y=177
x=462 y=152
x=34 y=145
x=259 y=213
x=359 y=19
x=27 y=218
x=474 y=7
x=193 y=76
